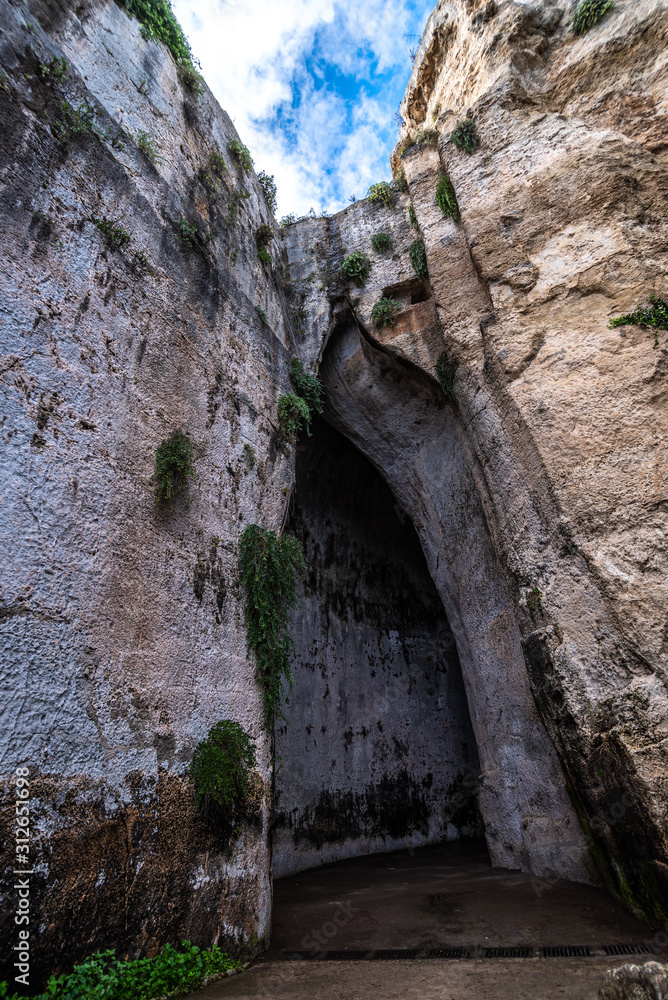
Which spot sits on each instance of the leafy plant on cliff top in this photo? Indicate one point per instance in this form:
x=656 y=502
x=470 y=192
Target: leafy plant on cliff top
x=380 y=193
x=356 y=267
x=268 y=568
x=465 y=136
x=221 y=766
x=308 y=387
x=654 y=315
x=158 y=21
x=418 y=256
x=103 y=976
x=383 y=312
x=293 y=414
x=446 y=199
x=589 y=13
x=174 y=467
x=427 y=137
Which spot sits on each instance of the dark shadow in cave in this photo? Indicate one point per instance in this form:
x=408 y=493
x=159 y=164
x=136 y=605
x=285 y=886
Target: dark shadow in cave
x=377 y=751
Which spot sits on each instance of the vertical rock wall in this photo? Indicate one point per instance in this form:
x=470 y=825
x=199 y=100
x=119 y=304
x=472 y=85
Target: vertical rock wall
x=376 y=750
x=121 y=627
x=559 y=422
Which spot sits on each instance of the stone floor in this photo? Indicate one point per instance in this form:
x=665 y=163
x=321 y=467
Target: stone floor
x=446 y=896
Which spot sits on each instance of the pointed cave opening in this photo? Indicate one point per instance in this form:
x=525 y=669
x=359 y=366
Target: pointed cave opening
x=377 y=751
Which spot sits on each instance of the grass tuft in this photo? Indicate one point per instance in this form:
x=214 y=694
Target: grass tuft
x=589 y=13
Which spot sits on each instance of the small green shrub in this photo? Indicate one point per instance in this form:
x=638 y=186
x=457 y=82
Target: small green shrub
x=212 y=172
x=589 y=13
x=236 y=197
x=174 y=467
x=241 y=154
x=78 y=120
x=293 y=414
x=148 y=147
x=356 y=267
x=465 y=136
x=103 y=976
x=380 y=194
x=381 y=242
x=264 y=234
x=221 y=766
x=269 y=189
x=56 y=69
x=251 y=457
x=418 y=256
x=400 y=182
x=140 y=263
x=383 y=312
x=113 y=236
x=287 y=220
x=262 y=314
x=445 y=375
x=186 y=235
x=446 y=199
x=427 y=137
x=437 y=110
x=653 y=315
x=157 y=21
x=412 y=218
x=308 y=387
x=533 y=601
x=268 y=568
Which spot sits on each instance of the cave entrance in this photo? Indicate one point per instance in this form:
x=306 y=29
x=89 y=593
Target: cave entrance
x=377 y=751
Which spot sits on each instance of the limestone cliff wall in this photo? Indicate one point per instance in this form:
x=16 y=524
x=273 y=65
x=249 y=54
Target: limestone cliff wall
x=122 y=628
x=539 y=494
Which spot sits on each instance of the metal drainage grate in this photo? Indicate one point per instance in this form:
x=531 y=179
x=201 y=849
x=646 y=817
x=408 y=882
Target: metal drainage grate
x=627 y=949
x=566 y=951
x=343 y=956
x=390 y=954
x=299 y=956
x=448 y=953
x=507 y=952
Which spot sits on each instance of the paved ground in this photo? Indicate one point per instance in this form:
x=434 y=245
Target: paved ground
x=438 y=897
x=503 y=979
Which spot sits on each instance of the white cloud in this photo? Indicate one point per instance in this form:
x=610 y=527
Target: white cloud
x=311 y=86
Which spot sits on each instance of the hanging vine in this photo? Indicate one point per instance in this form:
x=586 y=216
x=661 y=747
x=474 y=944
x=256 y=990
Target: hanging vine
x=268 y=569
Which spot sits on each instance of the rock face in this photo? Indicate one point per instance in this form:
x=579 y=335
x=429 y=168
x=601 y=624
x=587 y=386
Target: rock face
x=635 y=982
x=122 y=632
x=539 y=493
x=536 y=485
x=377 y=750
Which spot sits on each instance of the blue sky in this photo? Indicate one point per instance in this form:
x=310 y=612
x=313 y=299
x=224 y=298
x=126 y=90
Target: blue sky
x=311 y=85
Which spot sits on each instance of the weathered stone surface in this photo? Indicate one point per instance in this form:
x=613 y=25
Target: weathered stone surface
x=636 y=982
x=538 y=492
x=121 y=625
x=376 y=751
x=562 y=421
